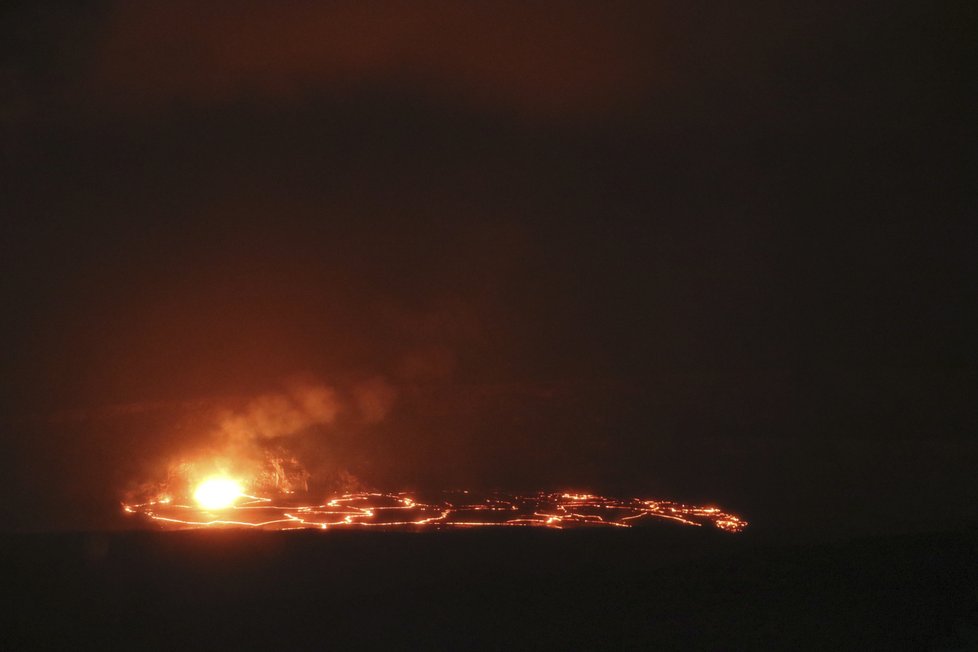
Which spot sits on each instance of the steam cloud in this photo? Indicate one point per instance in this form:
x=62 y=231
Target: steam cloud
x=283 y=415
x=306 y=405
x=553 y=59
x=288 y=440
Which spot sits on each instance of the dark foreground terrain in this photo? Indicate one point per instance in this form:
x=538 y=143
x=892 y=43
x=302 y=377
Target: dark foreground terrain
x=653 y=588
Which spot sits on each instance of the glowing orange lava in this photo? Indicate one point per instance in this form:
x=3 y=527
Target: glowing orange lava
x=402 y=511
x=218 y=493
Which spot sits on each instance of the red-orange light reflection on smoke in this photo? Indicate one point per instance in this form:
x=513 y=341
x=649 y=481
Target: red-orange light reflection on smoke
x=452 y=510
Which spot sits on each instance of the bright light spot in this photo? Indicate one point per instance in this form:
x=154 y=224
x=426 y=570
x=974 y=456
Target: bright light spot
x=217 y=493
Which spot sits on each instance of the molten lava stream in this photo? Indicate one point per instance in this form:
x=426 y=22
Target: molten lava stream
x=222 y=502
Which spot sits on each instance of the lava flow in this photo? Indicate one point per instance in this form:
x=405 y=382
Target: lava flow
x=222 y=503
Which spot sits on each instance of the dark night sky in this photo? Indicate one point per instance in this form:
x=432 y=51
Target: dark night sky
x=712 y=253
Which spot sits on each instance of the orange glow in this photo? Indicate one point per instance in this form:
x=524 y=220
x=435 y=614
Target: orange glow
x=460 y=509
x=217 y=493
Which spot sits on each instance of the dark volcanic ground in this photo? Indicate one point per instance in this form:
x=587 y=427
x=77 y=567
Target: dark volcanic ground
x=649 y=588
